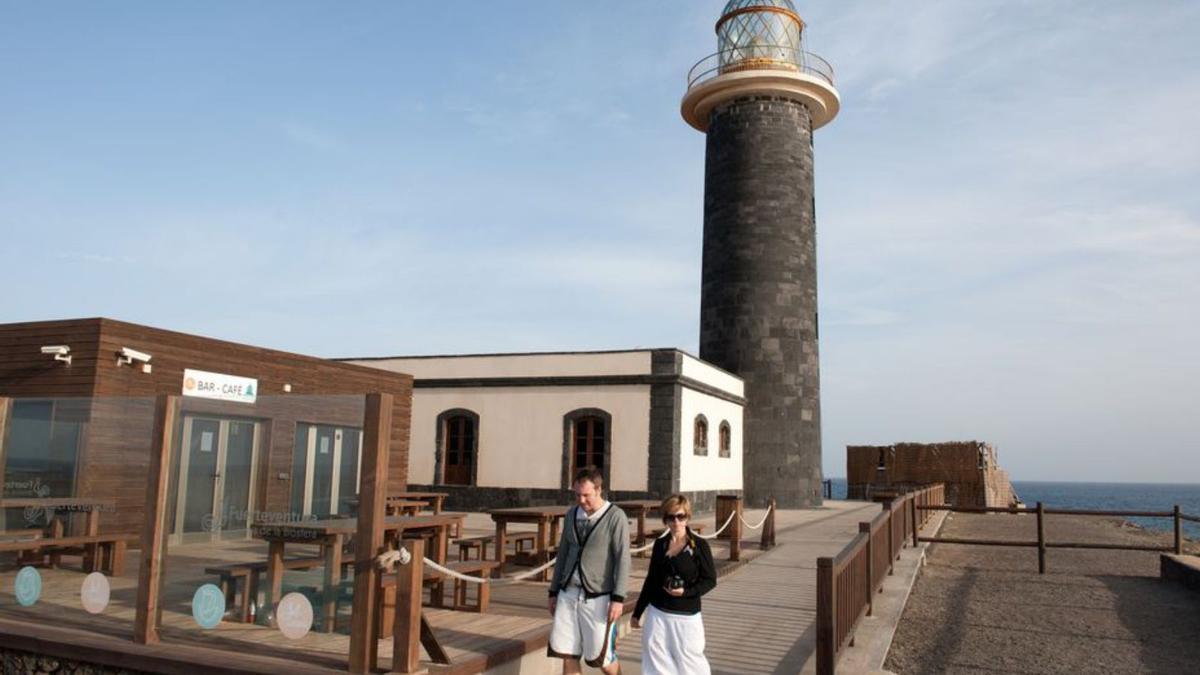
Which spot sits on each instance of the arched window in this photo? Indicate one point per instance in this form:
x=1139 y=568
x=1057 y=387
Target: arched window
x=700 y=435
x=725 y=438
x=456 y=460
x=586 y=438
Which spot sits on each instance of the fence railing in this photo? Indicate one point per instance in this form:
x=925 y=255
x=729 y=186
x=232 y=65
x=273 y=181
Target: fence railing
x=847 y=583
x=1042 y=544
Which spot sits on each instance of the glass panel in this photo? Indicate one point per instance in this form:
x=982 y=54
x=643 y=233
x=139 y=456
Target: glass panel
x=199 y=474
x=239 y=461
x=40 y=460
x=322 y=482
x=348 y=479
x=299 y=466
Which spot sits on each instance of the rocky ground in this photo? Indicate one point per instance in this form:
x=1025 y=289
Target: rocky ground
x=978 y=609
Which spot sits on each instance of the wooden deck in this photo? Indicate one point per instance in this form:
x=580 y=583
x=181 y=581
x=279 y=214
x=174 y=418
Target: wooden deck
x=516 y=623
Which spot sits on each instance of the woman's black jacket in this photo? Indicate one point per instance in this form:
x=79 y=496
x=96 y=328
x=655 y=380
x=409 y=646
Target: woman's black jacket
x=694 y=564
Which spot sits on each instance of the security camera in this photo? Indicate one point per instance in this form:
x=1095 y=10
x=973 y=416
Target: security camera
x=60 y=352
x=127 y=356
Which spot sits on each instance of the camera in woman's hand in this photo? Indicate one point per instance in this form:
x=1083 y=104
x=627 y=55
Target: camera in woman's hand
x=675 y=582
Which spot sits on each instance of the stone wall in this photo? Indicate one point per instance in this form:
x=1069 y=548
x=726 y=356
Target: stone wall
x=18 y=662
x=758 y=298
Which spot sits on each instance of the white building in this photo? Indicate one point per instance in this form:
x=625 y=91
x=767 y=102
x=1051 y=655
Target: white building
x=511 y=429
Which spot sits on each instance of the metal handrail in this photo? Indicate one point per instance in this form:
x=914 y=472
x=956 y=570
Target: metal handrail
x=760 y=57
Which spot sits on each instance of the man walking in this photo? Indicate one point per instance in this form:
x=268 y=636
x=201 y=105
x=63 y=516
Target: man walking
x=587 y=593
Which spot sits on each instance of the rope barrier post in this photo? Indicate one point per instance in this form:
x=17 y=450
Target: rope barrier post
x=1041 y=527
x=724 y=507
x=735 y=531
x=768 y=531
x=406 y=629
x=1178 y=532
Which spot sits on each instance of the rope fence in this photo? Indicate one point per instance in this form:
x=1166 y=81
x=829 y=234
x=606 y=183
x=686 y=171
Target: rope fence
x=388 y=560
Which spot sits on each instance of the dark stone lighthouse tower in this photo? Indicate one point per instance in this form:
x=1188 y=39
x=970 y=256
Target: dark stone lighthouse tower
x=759 y=98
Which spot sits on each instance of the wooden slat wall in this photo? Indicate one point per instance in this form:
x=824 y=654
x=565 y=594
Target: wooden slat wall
x=25 y=371
x=956 y=464
x=116 y=452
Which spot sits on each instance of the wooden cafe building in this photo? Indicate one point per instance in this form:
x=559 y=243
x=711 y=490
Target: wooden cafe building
x=262 y=430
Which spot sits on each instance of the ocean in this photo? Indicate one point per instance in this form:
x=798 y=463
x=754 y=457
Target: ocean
x=1106 y=497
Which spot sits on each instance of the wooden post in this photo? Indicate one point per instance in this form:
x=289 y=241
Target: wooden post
x=826 y=617
x=1041 y=527
x=768 y=530
x=1178 y=532
x=866 y=527
x=154 y=530
x=912 y=504
x=406 y=629
x=372 y=495
x=735 y=530
x=725 y=505
x=891 y=530
x=5 y=415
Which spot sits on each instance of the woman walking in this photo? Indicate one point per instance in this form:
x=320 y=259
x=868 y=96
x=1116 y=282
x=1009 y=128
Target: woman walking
x=681 y=570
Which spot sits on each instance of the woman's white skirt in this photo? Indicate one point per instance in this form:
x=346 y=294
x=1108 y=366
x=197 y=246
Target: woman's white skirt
x=673 y=644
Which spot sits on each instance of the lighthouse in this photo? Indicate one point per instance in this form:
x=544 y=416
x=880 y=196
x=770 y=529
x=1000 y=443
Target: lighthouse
x=758 y=100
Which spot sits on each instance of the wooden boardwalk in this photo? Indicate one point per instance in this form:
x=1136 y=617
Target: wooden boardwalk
x=761 y=618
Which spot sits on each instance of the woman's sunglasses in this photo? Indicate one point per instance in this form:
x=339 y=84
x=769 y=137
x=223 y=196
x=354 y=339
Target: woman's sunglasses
x=675 y=516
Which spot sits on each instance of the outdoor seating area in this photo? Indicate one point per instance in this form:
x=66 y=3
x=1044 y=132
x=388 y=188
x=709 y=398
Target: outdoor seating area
x=169 y=554
x=471 y=625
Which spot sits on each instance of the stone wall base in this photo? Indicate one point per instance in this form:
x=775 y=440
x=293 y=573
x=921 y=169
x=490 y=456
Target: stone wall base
x=25 y=662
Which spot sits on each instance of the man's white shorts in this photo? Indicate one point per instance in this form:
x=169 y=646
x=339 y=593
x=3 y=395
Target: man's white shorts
x=581 y=629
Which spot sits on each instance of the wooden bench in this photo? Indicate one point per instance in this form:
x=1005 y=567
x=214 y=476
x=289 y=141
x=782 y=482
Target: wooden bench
x=24 y=557
x=479 y=545
x=249 y=574
x=523 y=542
x=435 y=580
x=100 y=551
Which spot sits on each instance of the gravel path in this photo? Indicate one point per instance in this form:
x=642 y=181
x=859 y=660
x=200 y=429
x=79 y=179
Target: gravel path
x=985 y=609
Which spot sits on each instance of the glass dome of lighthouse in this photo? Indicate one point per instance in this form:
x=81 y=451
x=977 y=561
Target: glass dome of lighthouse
x=760 y=34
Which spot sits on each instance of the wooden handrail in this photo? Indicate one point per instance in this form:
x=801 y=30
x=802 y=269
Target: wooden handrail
x=977 y=542
x=976 y=509
x=858 y=542
x=847 y=582
x=1086 y=512
x=1193 y=519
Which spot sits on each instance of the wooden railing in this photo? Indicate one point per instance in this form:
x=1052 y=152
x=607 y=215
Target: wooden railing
x=847 y=583
x=1042 y=544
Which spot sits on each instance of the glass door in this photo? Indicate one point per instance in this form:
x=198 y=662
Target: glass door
x=325 y=470
x=237 y=478
x=216 y=479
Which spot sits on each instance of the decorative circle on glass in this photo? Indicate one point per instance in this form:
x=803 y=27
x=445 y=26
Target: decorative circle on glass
x=28 y=586
x=95 y=593
x=294 y=616
x=208 y=606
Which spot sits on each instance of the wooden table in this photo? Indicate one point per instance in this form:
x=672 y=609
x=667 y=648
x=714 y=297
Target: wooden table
x=638 y=508
x=92 y=507
x=545 y=517
x=331 y=536
x=51 y=505
x=435 y=500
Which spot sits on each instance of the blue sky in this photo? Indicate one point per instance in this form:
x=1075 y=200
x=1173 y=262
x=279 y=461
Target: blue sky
x=1008 y=223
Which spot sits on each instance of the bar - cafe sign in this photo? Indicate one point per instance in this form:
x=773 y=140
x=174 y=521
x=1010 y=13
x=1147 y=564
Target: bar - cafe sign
x=219 y=386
